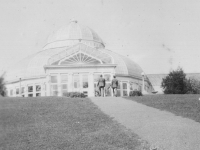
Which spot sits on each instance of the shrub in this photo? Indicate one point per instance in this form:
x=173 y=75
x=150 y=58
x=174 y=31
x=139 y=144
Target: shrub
x=135 y=93
x=193 y=86
x=2 y=86
x=175 y=82
x=74 y=94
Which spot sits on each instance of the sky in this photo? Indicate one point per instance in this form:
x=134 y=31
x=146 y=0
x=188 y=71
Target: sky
x=158 y=35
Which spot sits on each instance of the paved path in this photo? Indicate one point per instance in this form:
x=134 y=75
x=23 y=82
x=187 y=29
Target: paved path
x=160 y=128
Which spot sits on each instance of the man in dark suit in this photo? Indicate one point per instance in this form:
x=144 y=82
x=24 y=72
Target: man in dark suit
x=114 y=85
x=101 y=84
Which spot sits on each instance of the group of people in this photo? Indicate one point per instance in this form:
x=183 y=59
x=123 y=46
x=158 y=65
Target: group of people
x=100 y=90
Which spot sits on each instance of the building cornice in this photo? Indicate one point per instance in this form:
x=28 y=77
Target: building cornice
x=24 y=79
x=79 y=66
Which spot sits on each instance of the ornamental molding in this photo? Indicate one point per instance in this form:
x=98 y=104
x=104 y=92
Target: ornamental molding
x=85 y=50
x=79 y=58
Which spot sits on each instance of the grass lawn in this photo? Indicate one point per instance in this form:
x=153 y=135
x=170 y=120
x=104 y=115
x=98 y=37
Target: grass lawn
x=182 y=105
x=61 y=124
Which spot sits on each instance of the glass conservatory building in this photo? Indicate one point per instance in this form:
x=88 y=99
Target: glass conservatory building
x=72 y=61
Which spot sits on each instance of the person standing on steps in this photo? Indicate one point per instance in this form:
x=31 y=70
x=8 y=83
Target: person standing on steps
x=101 y=84
x=114 y=85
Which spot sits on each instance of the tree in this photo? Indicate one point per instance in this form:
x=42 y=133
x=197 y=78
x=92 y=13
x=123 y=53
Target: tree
x=2 y=86
x=175 y=82
x=193 y=86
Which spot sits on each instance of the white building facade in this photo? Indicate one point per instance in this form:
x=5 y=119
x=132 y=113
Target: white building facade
x=72 y=61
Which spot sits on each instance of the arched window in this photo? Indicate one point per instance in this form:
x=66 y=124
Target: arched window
x=79 y=58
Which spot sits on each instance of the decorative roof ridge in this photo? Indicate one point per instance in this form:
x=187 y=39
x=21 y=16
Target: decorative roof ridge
x=52 y=58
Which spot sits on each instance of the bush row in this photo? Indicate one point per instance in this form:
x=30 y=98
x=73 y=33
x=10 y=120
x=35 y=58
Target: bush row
x=81 y=95
x=74 y=94
x=135 y=93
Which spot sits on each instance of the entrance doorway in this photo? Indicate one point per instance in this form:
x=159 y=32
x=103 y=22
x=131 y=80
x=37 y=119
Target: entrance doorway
x=107 y=77
x=80 y=83
x=125 y=88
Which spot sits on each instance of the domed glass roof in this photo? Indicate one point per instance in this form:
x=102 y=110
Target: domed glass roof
x=125 y=66
x=72 y=34
x=70 y=40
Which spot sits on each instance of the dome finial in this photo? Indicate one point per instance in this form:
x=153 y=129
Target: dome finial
x=73 y=20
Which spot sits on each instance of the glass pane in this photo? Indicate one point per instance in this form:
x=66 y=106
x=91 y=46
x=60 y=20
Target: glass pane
x=76 y=78
x=85 y=81
x=45 y=86
x=54 y=79
x=17 y=91
x=75 y=85
x=96 y=90
x=54 y=87
x=38 y=87
x=118 y=86
x=85 y=84
x=76 y=81
x=131 y=86
x=108 y=89
x=22 y=89
x=108 y=92
x=30 y=88
x=95 y=85
x=139 y=87
x=134 y=87
x=96 y=77
x=64 y=78
x=30 y=95
x=11 y=92
x=64 y=92
x=55 y=93
x=124 y=85
x=125 y=93
x=38 y=94
x=64 y=86
x=107 y=77
x=118 y=93
x=85 y=78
